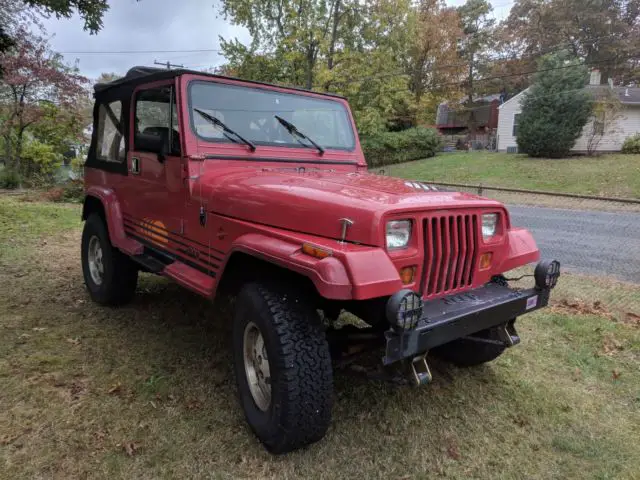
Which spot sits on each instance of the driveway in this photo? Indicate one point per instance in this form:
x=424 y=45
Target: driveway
x=585 y=241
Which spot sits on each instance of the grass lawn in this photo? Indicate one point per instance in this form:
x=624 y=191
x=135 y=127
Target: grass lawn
x=608 y=175
x=146 y=391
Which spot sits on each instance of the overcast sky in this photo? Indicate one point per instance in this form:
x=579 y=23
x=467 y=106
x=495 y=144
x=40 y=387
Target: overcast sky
x=159 y=25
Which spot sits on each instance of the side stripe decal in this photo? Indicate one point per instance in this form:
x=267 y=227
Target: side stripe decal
x=175 y=256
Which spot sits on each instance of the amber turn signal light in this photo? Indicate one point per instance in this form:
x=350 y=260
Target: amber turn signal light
x=407 y=274
x=315 y=251
x=485 y=260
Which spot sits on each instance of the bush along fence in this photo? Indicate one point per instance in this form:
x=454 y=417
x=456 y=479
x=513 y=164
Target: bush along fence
x=388 y=148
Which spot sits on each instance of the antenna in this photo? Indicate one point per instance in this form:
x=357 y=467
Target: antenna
x=167 y=64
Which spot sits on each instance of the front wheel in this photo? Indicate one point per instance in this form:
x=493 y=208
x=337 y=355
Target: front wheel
x=282 y=367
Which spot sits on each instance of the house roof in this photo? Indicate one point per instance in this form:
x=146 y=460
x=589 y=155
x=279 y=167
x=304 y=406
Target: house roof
x=513 y=98
x=626 y=95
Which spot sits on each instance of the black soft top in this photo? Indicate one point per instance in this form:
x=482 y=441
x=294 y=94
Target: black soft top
x=139 y=75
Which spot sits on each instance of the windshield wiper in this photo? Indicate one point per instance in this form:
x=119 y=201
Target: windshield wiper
x=226 y=130
x=291 y=128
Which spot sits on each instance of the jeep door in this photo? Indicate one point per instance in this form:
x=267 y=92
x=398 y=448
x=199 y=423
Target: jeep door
x=155 y=196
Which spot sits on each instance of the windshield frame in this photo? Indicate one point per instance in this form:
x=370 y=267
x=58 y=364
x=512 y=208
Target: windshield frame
x=252 y=86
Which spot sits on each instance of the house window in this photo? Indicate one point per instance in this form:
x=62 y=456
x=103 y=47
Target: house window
x=110 y=139
x=516 y=121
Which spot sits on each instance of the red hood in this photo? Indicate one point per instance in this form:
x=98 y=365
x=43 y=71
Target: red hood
x=314 y=201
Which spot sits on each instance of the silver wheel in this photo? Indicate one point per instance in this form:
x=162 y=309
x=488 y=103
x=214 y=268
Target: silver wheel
x=256 y=366
x=94 y=259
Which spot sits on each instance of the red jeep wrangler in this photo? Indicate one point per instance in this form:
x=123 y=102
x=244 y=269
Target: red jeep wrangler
x=262 y=193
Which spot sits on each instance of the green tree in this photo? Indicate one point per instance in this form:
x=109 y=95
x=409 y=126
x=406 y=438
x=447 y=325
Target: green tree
x=603 y=33
x=555 y=109
x=59 y=128
x=297 y=30
x=34 y=79
x=478 y=29
x=106 y=77
x=432 y=62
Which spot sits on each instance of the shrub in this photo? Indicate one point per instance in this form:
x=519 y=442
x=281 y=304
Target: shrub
x=40 y=160
x=555 y=109
x=73 y=191
x=631 y=144
x=396 y=147
x=9 y=179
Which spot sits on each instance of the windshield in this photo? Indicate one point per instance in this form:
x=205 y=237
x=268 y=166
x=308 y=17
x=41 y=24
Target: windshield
x=251 y=112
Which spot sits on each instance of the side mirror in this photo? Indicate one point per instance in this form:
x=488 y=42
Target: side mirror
x=152 y=143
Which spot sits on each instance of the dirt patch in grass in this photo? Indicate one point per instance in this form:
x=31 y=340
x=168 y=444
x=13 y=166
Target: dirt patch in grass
x=146 y=391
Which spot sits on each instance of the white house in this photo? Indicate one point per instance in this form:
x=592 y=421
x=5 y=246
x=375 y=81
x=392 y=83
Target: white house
x=627 y=123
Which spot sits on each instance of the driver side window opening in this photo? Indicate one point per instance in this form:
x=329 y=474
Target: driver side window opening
x=156 y=114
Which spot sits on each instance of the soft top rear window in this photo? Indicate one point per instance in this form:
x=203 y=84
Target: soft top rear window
x=252 y=111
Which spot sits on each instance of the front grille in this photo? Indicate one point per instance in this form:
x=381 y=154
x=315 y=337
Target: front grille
x=451 y=245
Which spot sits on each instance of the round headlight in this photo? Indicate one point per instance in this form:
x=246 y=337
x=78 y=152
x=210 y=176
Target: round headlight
x=489 y=225
x=398 y=234
x=404 y=309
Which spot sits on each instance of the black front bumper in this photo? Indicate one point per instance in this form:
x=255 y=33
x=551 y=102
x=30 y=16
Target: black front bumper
x=449 y=318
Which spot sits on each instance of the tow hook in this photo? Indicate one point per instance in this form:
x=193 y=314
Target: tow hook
x=508 y=335
x=420 y=370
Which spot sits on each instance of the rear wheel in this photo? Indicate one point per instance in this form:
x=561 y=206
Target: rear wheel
x=282 y=367
x=110 y=276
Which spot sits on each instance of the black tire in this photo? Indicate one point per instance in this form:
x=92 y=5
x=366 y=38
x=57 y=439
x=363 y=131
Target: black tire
x=120 y=273
x=301 y=375
x=467 y=353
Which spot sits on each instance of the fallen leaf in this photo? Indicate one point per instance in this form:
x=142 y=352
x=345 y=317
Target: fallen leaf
x=115 y=389
x=6 y=439
x=453 y=451
x=633 y=319
x=615 y=374
x=610 y=345
x=130 y=448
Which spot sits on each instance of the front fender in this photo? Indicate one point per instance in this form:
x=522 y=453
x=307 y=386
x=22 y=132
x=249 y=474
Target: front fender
x=357 y=273
x=522 y=250
x=113 y=217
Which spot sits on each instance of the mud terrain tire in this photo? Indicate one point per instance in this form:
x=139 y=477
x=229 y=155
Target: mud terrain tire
x=300 y=374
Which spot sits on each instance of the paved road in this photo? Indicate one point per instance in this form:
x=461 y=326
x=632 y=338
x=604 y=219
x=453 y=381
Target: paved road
x=585 y=241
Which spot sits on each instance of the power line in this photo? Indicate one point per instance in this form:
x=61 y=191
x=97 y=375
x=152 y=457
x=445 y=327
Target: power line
x=134 y=52
x=526 y=73
x=168 y=64
x=551 y=49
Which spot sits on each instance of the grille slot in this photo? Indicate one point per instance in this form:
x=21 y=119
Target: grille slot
x=450 y=244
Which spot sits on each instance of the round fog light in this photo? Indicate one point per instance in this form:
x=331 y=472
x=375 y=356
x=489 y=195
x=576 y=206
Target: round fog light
x=546 y=274
x=404 y=309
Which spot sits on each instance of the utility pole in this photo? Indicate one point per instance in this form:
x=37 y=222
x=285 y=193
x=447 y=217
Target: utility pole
x=169 y=65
